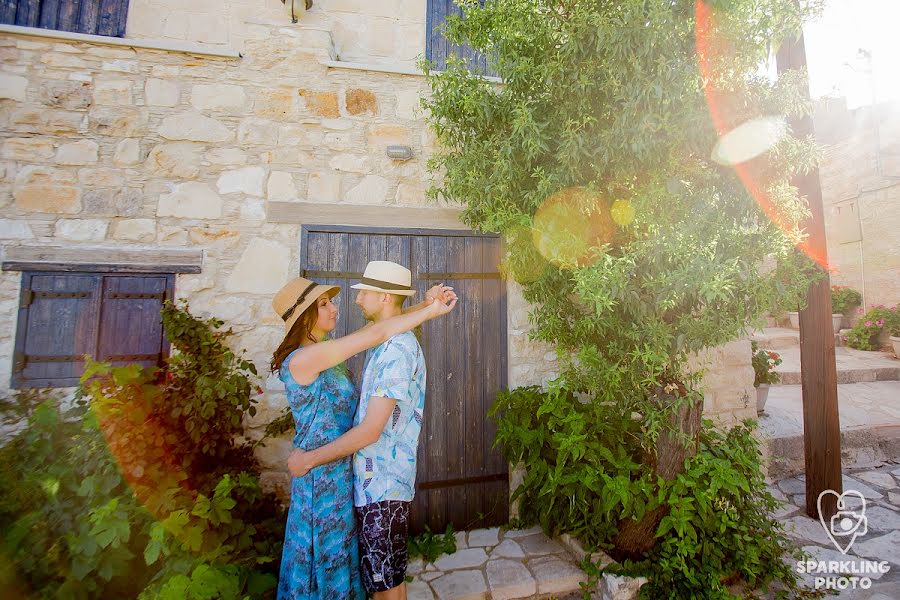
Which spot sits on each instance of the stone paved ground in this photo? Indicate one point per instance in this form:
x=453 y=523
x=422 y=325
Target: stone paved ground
x=500 y=565
x=880 y=485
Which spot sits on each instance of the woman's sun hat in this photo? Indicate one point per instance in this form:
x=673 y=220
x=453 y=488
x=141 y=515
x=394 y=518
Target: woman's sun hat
x=296 y=296
x=388 y=277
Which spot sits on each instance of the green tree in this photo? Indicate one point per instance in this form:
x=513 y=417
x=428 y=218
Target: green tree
x=634 y=248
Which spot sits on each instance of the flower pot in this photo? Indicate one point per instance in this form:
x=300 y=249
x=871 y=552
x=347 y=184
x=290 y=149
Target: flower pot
x=895 y=343
x=762 y=394
x=836 y=320
x=794 y=318
x=884 y=339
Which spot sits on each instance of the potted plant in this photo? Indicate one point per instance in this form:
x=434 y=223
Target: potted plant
x=895 y=339
x=874 y=329
x=764 y=374
x=794 y=319
x=843 y=301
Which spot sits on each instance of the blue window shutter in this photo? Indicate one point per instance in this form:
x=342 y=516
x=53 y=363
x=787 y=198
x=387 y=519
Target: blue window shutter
x=57 y=327
x=96 y=17
x=438 y=49
x=130 y=321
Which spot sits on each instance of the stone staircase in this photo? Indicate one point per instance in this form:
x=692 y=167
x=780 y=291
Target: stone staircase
x=868 y=405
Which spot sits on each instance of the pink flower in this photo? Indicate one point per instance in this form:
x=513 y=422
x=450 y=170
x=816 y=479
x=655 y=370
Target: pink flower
x=880 y=322
x=868 y=323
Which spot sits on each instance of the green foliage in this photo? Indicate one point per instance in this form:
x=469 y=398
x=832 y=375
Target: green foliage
x=764 y=363
x=844 y=299
x=141 y=484
x=430 y=545
x=864 y=335
x=584 y=477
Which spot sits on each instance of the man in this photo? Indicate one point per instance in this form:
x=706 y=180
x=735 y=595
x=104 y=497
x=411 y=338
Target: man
x=385 y=435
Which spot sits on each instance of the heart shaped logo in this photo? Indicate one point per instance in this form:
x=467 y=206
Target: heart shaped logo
x=849 y=522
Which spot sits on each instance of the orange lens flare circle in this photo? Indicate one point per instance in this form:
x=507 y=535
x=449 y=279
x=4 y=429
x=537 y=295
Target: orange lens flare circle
x=570 y=224
x=748 y=140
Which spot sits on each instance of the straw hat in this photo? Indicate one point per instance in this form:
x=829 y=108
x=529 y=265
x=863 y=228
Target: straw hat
x=388 y=277
x=296 y=296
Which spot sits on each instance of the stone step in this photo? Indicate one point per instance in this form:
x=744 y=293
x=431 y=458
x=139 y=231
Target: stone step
x=778 y=338
x=853 y=366
x=869 y=416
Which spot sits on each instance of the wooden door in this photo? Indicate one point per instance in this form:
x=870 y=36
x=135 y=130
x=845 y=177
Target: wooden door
x=461 y=478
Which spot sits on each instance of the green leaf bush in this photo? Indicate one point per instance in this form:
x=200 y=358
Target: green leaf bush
x=867 y=331
x=764 y=363
x=635 y=251
x=844 y=299
x=141 y=488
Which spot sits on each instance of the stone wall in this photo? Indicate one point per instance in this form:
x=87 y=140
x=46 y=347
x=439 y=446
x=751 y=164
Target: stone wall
x=860 y=175
x=382 y=32
x=141 y=149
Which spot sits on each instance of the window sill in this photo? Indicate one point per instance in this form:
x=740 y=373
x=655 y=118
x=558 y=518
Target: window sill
x=145 y=44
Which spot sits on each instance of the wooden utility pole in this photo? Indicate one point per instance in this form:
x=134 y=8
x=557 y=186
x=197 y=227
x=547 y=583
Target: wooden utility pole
x=821 y=425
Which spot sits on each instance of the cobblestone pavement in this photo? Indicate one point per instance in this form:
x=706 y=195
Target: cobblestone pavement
x=880 y=486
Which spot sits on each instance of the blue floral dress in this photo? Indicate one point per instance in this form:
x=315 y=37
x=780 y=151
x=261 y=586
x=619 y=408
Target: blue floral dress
x=321 y=553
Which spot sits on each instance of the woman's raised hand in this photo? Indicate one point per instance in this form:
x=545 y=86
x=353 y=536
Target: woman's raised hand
x=441 y=293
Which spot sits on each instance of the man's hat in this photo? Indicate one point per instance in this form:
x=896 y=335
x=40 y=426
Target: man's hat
x=296 y=296
x=388 y=277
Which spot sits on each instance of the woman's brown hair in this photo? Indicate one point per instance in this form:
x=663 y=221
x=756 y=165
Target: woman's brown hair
x=301 y=331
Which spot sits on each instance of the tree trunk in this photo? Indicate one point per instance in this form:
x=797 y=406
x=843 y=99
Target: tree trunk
x=636 y=538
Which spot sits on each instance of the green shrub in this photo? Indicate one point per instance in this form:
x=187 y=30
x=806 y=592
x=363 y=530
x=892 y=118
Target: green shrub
x=864 y=335
x=141 y=485
x=584 y=477
x=844 y=299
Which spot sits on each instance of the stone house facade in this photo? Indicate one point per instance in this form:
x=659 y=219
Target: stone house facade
x=200 y=145
x=860 y=175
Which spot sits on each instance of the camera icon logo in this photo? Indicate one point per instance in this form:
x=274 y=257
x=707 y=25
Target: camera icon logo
x=850 y=520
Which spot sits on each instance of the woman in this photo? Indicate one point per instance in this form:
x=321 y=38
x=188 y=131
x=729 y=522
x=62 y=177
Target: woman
x=321 y=555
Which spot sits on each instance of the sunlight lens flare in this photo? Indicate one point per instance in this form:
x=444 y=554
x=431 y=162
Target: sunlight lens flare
x=749 y=140
x=737 y=146
x=569 y=224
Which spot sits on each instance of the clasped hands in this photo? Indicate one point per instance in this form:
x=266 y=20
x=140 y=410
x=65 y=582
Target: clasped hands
x=441 y=295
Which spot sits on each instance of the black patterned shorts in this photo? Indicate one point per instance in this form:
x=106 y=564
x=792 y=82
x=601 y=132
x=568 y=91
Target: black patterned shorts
x=383 y=533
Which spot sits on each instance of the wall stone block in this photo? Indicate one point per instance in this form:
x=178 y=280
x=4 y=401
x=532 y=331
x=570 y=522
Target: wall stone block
x=324 y=104
x=70 y=95
x=178 y=159
x=82 y=230
x=83 y=152
x=53 y=199
x=27 y=149
x=381 y=136
x=373 y=189
x=191 y=200
x=257 y=132
x=324 y=187
x=218 y=97
x=118 y=202
x=128 y=152
x=248 y=180
x=281 y=186
x=361 y=102
x=119 y=121
x=351 y=163
x=194 y=127
x=160 y=92
x=136 y=230
x=116 y=93
x=101 y=177
x=15 y=230
x=280 y=104
x=227 y=156
x=13 y=87
x=262 y=268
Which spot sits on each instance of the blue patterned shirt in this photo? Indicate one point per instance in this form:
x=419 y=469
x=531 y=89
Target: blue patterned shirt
x=386 y=470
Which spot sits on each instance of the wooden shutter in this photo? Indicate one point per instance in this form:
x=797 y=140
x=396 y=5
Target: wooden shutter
x=130 y=321
x=438 y=49
x=98 y=17
x=461 y=479
x=64 y=316
x=58 y=316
